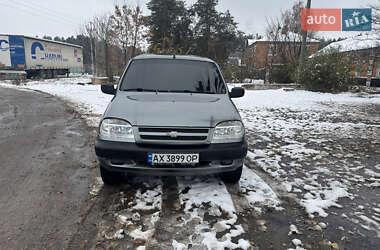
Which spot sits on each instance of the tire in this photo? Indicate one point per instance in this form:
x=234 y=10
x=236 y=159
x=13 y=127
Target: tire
x=233 y=176
x=109 y=177
x=42 y=74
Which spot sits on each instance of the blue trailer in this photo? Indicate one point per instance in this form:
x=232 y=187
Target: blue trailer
x=39 y=57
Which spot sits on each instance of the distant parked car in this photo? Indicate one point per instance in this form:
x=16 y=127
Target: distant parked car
x=171 y=115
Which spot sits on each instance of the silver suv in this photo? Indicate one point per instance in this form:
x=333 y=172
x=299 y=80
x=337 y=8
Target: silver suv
x=171 y=115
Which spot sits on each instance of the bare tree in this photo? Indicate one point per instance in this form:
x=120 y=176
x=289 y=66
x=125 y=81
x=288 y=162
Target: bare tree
x=122 y=28
x=88 y=29
x=103 y=31
x=286 y=36
x=273 y=33
x=138 y=23
x=376 y=16
x=291 y=33
x=128 y=28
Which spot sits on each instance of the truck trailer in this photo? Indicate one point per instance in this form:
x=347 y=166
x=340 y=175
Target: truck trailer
x=38 y=57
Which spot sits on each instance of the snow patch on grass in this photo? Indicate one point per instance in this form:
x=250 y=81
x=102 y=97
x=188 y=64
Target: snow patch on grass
x=257 y=192
x=141 y=212
x=299 y=100
x=319 y=199
x=370 y=224
x=96 y=186
x=149 y=200
x=138 y=234
x=118 y=235
x=178 y=246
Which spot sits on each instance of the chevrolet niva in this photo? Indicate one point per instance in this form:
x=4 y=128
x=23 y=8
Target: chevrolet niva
x=171 y=115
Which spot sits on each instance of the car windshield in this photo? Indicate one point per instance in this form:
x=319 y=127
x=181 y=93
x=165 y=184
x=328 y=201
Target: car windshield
x=171 y=75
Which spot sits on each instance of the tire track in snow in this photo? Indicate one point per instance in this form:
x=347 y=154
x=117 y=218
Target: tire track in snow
x=258 y=193
x=205 y=213
x=209 y=208
x=169 y=225
x=129 y=220
x=196 y=213
x=255 y=202
x=253 y=192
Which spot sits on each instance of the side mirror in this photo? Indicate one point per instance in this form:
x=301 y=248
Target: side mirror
x=237 y=92
x=108 y=89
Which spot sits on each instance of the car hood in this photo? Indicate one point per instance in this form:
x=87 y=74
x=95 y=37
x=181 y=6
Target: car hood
x=172 y=109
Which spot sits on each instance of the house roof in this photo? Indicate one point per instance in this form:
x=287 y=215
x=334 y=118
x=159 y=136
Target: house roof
x=288 y=37
x=360 y=42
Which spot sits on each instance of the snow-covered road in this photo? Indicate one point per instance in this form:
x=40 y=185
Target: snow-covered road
x=322 y=151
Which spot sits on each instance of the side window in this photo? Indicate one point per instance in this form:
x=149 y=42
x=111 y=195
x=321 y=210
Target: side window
x=218 y=83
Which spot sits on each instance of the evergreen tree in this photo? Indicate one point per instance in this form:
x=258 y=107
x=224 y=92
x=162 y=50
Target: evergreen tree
x=207 y=16
x=216 y=34
x=169 y=25
x=47 y=37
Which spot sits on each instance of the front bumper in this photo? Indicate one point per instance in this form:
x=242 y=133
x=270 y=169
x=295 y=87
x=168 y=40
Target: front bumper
x=133 y=158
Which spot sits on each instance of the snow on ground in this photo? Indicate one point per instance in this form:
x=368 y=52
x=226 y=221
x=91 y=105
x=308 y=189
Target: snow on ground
x=321 y=148
x=320 y=198
x=300 y=100
x=96 y=186
x=257 y=192
x=315 y=145
x=203 y=199
x=210 y=218
x=87 y=99
x=135 y=211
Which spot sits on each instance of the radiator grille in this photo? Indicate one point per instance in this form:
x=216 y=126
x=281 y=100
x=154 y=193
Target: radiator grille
x=172 y=135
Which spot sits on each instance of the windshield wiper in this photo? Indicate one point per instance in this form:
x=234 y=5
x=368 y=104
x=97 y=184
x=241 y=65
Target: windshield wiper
x=171 y=91
x=145 y=90
x=190 y=91
x=140 y=90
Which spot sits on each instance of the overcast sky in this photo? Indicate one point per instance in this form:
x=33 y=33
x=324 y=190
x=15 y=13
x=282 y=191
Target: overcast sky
x=64 y=17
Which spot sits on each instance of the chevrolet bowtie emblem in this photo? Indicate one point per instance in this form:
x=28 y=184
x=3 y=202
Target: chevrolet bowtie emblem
x=173 y=134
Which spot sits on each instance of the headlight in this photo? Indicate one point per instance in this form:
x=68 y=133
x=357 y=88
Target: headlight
x=231 y=131
x=116 y=130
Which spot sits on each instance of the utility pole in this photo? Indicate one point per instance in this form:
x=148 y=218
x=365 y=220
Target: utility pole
x=304 y=41
x=89 y=28
x=92 y=49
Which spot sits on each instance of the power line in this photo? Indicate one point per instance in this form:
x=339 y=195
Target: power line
x=52 y=10
x=46 y=10
x=50 y=18
x=48 y=14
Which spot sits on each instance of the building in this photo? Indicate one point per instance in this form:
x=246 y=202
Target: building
x=235 y=58
x=364 y=53
x=262 y=56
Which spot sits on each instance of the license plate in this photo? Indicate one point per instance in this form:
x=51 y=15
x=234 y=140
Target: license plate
x=173 y=158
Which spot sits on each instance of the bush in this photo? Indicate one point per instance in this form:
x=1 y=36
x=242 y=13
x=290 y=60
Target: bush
x=328 y=72
x=257 y=74
x=282 y=74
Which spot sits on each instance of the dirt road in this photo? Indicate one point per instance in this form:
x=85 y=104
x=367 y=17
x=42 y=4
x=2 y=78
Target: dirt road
x=44 y=173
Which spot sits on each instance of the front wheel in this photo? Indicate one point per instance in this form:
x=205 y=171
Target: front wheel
x=110 y=177
x=233 y=176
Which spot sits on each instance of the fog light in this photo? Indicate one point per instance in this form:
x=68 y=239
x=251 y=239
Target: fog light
x=117 y=162
x=120 y=163
x=229 y=162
